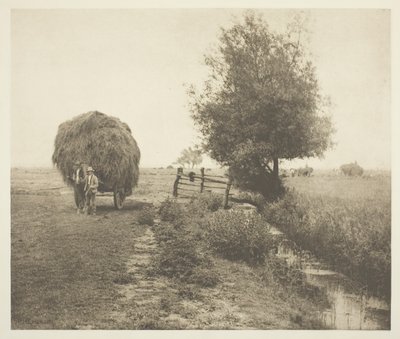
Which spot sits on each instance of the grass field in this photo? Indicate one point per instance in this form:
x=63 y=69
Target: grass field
x=71 y=271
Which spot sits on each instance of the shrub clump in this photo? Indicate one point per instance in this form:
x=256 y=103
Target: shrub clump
x=204 y=276
x=252 y=198
x=237 y=235
x=201 y=203
x=183 y=257
x=178 y=257
x=170 y=211
x=255 y=179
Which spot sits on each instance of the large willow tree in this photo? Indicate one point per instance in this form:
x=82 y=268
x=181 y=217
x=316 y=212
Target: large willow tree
x=260 y=104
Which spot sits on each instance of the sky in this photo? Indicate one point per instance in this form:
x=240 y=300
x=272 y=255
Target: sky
x=135 y=64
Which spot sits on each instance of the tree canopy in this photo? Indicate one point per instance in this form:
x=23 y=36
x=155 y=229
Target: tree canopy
x=190 y=157
x=262 y=100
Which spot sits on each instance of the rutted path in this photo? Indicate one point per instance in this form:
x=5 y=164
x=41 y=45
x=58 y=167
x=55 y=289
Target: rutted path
x=152 y=296
x=141 y=290
x=156 y=302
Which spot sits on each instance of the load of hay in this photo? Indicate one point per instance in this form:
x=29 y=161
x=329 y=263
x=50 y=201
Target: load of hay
x=103 y=142
x=352 y=169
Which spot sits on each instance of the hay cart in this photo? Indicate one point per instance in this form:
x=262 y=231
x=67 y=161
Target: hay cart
x=105 y=188
x=119 y=193
x=104 y=142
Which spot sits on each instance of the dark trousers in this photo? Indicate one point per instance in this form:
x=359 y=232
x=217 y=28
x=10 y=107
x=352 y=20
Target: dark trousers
x=90 y=202
x=79 y=198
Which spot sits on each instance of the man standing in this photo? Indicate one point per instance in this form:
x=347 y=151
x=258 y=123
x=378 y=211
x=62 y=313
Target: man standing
x=90 y=189
x=78 y=182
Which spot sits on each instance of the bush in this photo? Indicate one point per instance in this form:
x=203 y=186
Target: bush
x=204 y=277
x=182 y=257
x=171 y=211
x=165 y=232
x=255 y=199
x=202 y=202
x=146 y=216
x=255 y=179
x=238 y=236
x=178 y=258
x=213 y=201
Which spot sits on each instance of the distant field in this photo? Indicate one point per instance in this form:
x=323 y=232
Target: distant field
x=353 y=188
x=157 y=181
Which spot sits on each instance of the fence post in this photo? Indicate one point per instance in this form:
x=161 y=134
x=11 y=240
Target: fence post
x=176 y=183
x=202 y=180
x=226 y=196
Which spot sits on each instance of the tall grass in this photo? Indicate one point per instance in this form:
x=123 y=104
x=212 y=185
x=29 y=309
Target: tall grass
x=351 y=234
x=236 y=235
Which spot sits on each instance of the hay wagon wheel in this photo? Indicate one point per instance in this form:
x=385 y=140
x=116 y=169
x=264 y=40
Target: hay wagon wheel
x=119 y=198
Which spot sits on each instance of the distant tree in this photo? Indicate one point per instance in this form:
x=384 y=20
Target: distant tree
x=190 y=157
x=261 y=103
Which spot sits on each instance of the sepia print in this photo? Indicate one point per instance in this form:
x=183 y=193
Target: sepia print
x=201 y=169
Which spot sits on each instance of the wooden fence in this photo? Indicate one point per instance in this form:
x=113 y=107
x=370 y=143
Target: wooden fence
x=187 y=184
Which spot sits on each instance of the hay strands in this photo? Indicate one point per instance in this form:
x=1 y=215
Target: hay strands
x=104 y=143
x=100 y=141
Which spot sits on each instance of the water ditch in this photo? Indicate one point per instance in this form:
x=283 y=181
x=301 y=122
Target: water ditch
x=350 y=305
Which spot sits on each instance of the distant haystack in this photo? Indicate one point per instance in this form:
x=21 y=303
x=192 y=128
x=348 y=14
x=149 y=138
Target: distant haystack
x=102 y=142
x=353 y=169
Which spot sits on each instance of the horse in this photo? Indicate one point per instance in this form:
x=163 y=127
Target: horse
x=304 y=172
x=79 y=178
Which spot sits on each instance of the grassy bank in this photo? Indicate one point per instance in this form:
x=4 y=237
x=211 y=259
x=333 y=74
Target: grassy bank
x=344 y=221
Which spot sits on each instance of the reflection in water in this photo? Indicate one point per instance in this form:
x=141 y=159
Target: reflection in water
x=350 y=306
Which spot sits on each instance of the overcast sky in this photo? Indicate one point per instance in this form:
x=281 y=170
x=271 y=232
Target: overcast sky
x=133 y=64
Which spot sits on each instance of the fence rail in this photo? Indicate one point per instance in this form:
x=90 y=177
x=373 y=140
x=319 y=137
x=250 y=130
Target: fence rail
x=201 y=181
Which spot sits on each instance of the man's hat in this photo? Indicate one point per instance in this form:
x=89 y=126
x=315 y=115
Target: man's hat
x=90 y=169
